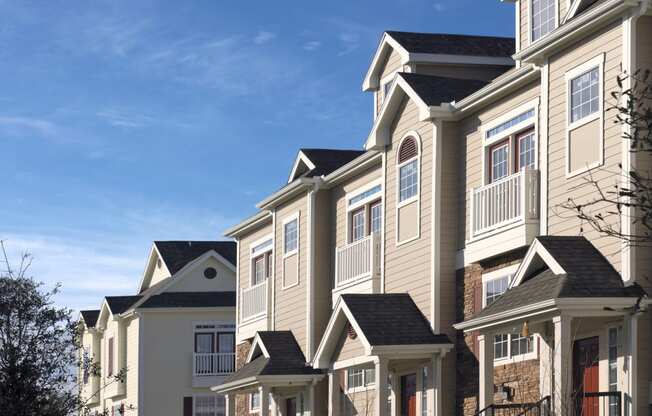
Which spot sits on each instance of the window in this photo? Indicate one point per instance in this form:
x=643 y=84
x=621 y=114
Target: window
x=526 y=150
x=494 y=288
x=507 y=125
x=386 y=87
x=543 y=18
x=408 y=169
x=291 y=235
x=499 y=161
x=118 y=409
x=254 y=401
x=358 y=224
x=358 y=198
x=212 y=405
x=109 y=363
x=615 y=350
x=376 y=220
x=501 y=344
x=424 y=391
x=585 y=95
x=261 y=263
x=360 y=378
x=214 y=349
x=512 y=346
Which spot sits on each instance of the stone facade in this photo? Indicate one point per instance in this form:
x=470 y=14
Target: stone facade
x=241 y=352
x=522 y=377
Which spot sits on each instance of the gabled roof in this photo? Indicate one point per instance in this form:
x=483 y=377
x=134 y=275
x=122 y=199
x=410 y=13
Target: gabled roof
x=90 y=317
x=190 y=300
x=119 y=304
x=177 y=254
x=436 y=90
x=449 y=44
x=578 y=7
x=438 y=48
x=273 y=353
x=321 y=162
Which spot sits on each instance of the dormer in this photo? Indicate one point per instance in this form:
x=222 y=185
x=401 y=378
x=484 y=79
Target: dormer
x=480 y=58
x=320 y=162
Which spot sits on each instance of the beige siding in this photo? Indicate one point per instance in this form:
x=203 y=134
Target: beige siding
x=159 y=271
x=563 y=9
x=244 y=261
x=407 y=267
x=348 y=348
x=392 y=64
x=131 y=351
x=525 y=25
x=339 y=202
x=290 y=304
x=609 y=41
x=194 y=280
x=322 y=280
x=484 y=72
x=471 y=154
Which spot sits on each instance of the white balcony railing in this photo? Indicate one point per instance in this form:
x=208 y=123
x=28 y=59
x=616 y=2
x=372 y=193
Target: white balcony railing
x=509 y=200
x=213 y=364
x=253 y=301
x=357 y=260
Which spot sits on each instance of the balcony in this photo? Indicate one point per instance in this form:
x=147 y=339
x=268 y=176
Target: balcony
x=357 y=266
x=504 y=215
x=213 y=364
x=253 y=302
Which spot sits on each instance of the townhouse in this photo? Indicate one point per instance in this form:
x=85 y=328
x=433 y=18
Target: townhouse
x=434 y=272
x=172 y=340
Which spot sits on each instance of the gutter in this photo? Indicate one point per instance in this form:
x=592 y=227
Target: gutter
x=360 y=162
x=290 y=189
x=581 y=24
x=252 y=221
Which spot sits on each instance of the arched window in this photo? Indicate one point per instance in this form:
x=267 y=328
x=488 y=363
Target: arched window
x=408 y=169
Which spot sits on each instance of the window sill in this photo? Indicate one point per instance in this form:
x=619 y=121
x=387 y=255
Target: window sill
x=407 y=201
x=515 y=359
x=290 y=253
x=361 y=389
x=583 y=121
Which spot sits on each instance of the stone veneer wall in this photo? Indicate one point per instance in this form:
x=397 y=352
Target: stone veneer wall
x=241 y=352
x=522 y=377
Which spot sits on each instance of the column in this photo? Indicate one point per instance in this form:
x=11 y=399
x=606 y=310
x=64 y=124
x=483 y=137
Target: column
x=545 y=364
x=486 y=361
x=382 y=370
x=229 y=403
x=394 y=395
x=309 y=401
x=264 y=401
x=434 y=386
x=273 y=403
x=334 y=396
x=562 y=366
x=631 y=365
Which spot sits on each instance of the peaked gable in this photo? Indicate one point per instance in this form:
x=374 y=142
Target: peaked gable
x=321 y=162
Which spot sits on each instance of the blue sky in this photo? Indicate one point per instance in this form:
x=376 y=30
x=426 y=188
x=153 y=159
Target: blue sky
x=123 y=122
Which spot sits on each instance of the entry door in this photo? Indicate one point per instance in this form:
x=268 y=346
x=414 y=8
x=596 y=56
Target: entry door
x=586 y=356
x=409 y=395
x=291 y=407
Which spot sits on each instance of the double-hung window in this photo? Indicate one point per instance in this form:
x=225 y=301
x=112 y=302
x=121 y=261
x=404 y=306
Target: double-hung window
x=209 y=405
x=360 y=378
x=408 y=180
x=358 y=224
x=291 y=236
x=543 y=17
x=585 y=95
x=261 y=263
x=494 y=288
x=365 y=212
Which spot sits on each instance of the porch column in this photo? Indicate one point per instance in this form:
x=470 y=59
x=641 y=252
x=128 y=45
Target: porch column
x=334 y=397
x=434 y=386
x=273 y=404
x=562 y=366
x=309 y=401
x=546 y=364
x=264 y=401
x=631 y=365
x=229 y=404
x=486 y=361
x=395 y=409
x=382 y=370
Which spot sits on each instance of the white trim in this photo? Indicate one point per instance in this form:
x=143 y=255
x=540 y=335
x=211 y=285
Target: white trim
x=293 y=217
x=435 y=226
x=384 y=222
x=529 y=23
x=536 y=249
x=244 y=226
x=507 y=272
x=310 y=267
x=517 y=26
x=301 y=158
x=194 y=396
x=257 y=343
x=417 y=198
x=514 y=359
x=271 y=291
x=360 y=190
x=597 y=62
x=252 y=257
x=387 y=79
x=543 y=148
x=353 y=362
x=371 y=81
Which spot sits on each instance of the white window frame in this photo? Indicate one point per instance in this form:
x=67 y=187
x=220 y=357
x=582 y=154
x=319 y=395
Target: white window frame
x=521 y=357
x=508 y=272
x=596 y=62
x=417 y=197
x=365 y=384
x=378 y=196
x=215 y=397
x=386 y=80
x=510 y=134
x=214 y=327
x=250 y=402
x=530 y=15
x=294 y=217
x=254 y=254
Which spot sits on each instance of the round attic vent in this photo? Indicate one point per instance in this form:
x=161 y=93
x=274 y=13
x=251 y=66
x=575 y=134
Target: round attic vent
x=210 y=273
x=351 y=332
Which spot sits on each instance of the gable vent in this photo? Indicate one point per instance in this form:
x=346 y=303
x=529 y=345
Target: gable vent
x=408 y=150
x=351 y=332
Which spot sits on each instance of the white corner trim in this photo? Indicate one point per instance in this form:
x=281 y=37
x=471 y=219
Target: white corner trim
x=301 y=158
x=536 y=249
x=596 y=62
x=435 y=226
x=543 y=148
x=257 y=343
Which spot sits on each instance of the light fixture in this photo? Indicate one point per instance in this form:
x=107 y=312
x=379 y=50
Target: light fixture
x=525 y=331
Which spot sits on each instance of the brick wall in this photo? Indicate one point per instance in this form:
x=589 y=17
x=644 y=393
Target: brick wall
x=241 y=352
x=522 y=377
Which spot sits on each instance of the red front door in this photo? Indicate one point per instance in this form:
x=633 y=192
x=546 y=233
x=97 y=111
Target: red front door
x=586 y=356
x=409 y=395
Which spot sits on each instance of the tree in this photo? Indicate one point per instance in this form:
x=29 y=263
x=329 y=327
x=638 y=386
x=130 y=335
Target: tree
x=39 y=349
x=632 y=192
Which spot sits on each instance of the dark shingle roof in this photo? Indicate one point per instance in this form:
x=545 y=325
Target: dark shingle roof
x=588 y=275
x=119 y=304
x=435 y=90
x=90 y=317
x=190 y=300
x=391 y=319
x=447 y=44
x=285 y=358
x=327 y=161
x=176 y=254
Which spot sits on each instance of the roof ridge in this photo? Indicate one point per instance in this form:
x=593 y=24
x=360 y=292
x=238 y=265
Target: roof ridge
x=461 y=35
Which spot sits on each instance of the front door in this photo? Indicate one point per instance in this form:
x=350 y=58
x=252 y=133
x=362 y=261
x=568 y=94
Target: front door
x=291 y=407
x=586 y=356
x=409 y=395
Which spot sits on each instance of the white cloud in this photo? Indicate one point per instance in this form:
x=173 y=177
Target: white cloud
x=440 y=7
x=312 y=45
x=122 y=118
x=18 y=125
x=264 y=37
x=350 y=42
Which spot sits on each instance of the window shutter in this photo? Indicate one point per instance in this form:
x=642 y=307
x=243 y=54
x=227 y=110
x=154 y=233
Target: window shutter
x=408 y=150
x=187 y=406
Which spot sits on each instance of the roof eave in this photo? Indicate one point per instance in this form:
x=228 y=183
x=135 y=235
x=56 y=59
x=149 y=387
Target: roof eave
x=247 y=224
x=286 y=192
